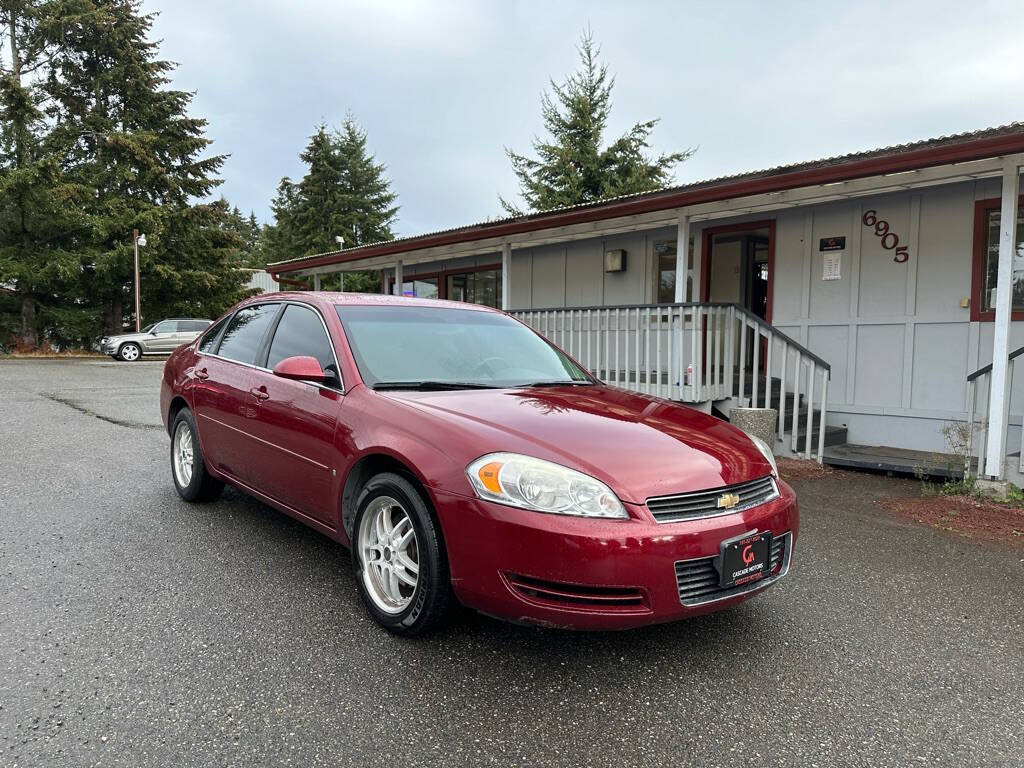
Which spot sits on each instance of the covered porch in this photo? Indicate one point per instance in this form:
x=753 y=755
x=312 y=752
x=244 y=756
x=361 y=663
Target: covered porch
x=705 y=323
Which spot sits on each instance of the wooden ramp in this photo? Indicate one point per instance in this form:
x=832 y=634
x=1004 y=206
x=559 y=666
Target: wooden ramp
x=902 y=461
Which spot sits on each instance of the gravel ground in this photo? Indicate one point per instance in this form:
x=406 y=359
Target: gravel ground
x=137 y=630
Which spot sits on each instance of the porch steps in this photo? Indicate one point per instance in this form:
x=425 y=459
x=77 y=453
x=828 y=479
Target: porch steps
x=900 y=461
x=835 y=436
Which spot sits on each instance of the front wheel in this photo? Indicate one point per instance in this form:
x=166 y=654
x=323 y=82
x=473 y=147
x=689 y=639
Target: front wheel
x=191 y=480
x=129 y=352
x=400 y=565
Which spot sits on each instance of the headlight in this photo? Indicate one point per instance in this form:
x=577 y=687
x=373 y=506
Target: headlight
x=762 y=446
x=529 y=483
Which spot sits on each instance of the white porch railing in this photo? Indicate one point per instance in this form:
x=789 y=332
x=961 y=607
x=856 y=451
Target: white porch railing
x=697 y=353
x=977 y=431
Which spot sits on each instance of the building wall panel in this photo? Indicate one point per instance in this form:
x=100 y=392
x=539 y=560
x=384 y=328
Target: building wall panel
x=940 y=366
x=830 y=299
x=834 y=339
x=879 y=365
x=549 y=276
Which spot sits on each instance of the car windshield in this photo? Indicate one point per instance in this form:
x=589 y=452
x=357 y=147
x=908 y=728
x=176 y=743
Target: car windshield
x=443 y=348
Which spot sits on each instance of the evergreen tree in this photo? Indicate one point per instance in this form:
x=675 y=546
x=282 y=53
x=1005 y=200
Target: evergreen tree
x=129 y=139
x=369 y=209
x=572 y=167
x=38 y=215
x=344 y=192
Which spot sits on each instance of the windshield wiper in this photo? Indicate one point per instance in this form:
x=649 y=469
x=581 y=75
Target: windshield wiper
x=430 y=386
x=567 y=383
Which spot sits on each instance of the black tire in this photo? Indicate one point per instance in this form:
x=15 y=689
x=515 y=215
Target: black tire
x=130 y=352
x=201 y=486
x=432 y=597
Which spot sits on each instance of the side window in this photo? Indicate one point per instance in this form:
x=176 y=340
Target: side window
x=244 y=333
x=301 y=332
x=166 y=326
x=193 y=326
x=211 y=336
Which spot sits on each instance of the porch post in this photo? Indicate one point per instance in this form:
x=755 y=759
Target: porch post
x=682 y=256
x=399 y=279
x=999 y=395
x=341 y=281
x=316 y=281
x=383 y=281
x=506 y=276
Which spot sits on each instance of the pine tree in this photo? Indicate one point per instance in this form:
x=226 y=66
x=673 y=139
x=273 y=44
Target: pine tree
x=38 y=214
x=344 y=192
x=129 y=139
x=369 y=209
x=571 y=166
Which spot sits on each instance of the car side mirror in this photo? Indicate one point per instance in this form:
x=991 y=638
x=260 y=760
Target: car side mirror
x=300 y=368
x=153 y=332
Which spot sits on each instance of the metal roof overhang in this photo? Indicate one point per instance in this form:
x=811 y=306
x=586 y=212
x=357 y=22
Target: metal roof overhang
x=962 y=161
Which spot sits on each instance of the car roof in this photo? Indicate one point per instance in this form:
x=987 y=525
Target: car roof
x=369 y=300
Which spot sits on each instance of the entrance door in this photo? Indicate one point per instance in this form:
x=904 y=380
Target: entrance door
x=737 y=266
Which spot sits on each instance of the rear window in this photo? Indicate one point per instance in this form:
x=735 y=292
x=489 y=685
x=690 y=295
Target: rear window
x=244 y=334
x=206 y=345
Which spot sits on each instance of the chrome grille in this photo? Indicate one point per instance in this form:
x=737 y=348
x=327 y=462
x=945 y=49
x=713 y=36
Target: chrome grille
x=698 y=580
x=698 y=504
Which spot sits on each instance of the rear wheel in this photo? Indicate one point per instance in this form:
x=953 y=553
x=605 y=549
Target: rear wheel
x=191 y=479
x=400 y=564
x=129 y=352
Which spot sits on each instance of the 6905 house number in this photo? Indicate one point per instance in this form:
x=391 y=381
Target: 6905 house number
x=890 y=240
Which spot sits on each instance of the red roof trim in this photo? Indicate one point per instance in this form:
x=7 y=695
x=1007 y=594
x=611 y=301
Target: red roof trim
x=958 y=152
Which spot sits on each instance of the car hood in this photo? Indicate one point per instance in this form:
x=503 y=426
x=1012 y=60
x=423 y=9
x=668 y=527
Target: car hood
x=640 y=446
x=126 y=337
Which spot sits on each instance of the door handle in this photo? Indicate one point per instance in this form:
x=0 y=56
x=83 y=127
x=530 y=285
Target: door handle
x=260 y=394
x=201 y=374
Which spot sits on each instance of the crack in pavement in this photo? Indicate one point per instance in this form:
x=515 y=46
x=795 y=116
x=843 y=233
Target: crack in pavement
x=89 y=412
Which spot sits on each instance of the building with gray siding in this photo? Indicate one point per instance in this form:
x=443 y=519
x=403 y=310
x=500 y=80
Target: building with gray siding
x=883 y=280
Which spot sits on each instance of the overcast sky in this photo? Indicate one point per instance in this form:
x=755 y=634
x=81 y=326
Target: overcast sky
x=441 y=88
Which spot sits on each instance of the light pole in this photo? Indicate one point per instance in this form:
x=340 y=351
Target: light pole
x=139 y=240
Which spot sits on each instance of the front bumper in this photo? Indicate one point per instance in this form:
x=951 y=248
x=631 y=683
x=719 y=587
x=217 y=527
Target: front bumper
x=595 y=574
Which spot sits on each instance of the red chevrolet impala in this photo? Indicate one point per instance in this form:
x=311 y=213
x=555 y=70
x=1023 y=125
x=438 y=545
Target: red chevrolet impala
x=461 y=456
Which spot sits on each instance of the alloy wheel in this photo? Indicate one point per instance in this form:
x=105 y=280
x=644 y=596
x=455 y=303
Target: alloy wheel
x=183 y=454
x=390 y=555
x=130 y=352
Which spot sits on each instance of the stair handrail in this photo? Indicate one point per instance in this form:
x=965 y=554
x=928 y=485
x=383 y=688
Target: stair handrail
x=785 y=337
x=988 y=368
x=693 y=305
x=981 y=455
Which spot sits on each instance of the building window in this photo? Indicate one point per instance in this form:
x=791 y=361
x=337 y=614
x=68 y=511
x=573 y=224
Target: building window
x=987 y=220
x=421 y=288
x=990 y=273
x=476 y=287
x=665 y=257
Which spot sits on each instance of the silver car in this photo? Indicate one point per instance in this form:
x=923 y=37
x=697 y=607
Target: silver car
x=157 y=339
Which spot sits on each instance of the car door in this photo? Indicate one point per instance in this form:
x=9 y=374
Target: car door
x=297 y=420
x=224 y=406
x=162 y=338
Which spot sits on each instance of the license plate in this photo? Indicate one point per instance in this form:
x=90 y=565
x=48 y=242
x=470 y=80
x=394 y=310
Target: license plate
x=744 y=559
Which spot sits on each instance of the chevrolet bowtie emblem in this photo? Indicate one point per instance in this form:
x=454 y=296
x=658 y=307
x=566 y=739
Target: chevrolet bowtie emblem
x=728 y=500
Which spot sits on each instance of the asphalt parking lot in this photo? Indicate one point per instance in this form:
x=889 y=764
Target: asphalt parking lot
x=137 y=630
